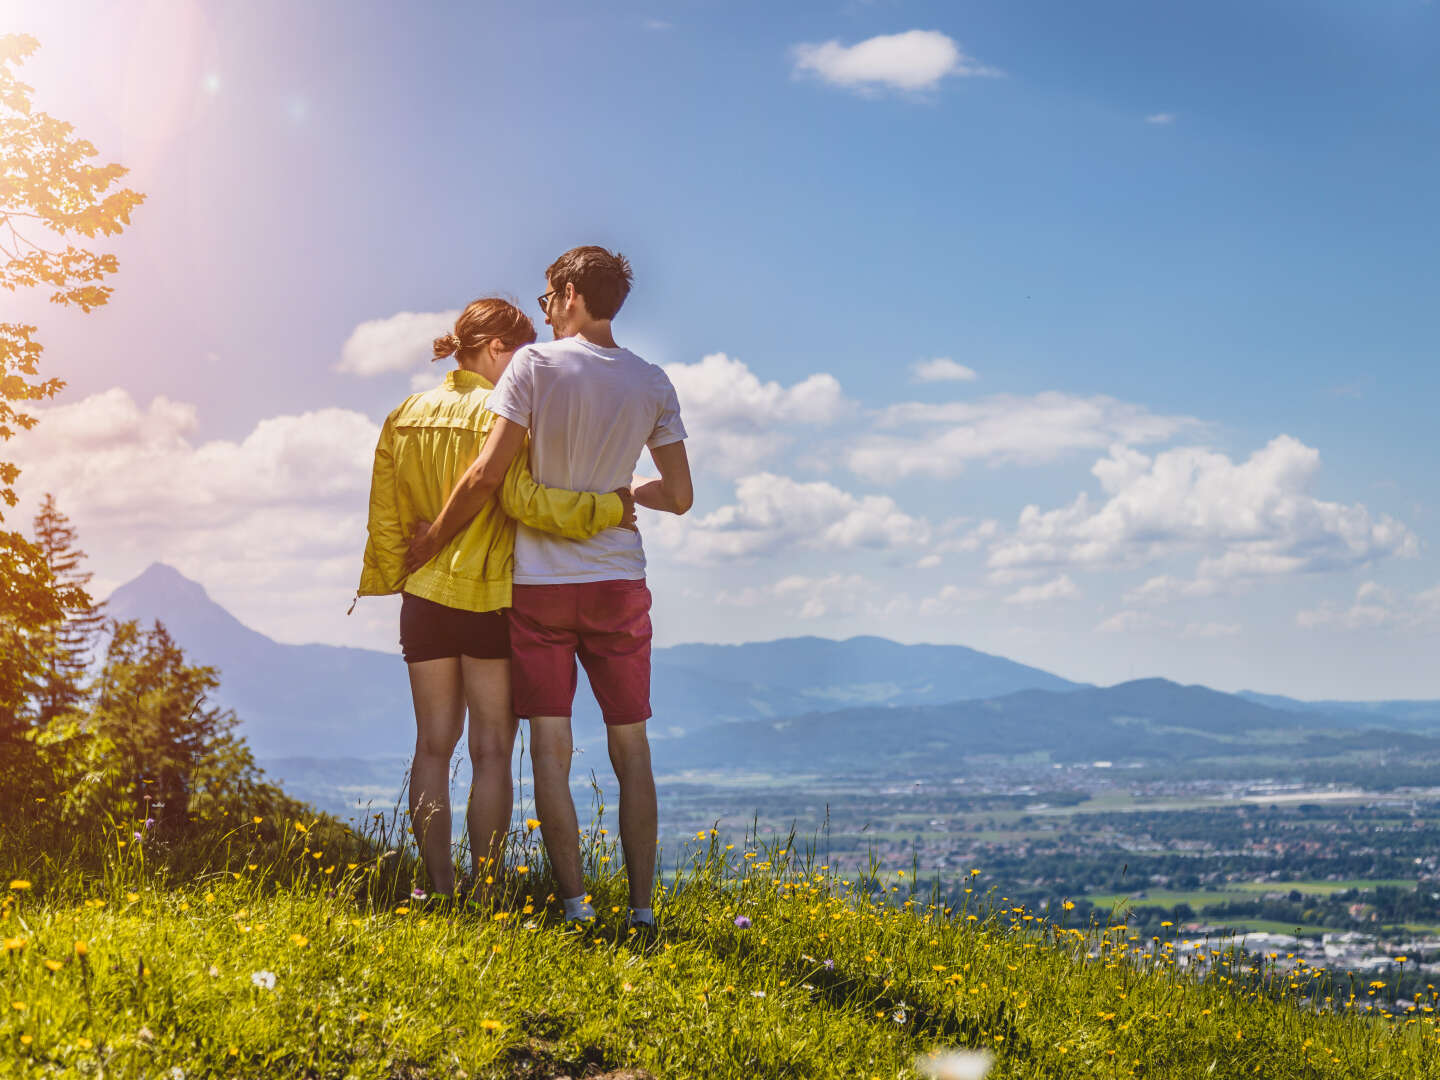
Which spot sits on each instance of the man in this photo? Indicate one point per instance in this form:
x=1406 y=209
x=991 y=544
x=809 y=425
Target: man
x=590 y=407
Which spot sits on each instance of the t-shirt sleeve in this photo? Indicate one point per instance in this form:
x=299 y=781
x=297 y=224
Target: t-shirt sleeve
x=668 y=426
x=514 y=395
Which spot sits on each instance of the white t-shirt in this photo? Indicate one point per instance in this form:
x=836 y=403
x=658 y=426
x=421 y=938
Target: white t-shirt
x=590 y=411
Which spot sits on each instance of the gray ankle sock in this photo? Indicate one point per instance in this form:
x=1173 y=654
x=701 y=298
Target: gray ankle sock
x=577 y=907
x=642 y=915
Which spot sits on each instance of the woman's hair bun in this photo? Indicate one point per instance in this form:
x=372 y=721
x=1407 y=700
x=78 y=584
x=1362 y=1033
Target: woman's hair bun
x=446 y=346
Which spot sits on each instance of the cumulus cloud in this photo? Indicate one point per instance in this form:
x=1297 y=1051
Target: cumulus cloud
x=805 y=597
x=397 y=344
x=736 y=421
x=1130 y=621
x=272 y=523
x=913 y=61
x=941 y=369
x=1249 y=520
x=1160 y=119
x=952 y=600
x=1164 y=588
x=1376 y=607
x=772 y=514
x=940 y=439
x=1060 y=588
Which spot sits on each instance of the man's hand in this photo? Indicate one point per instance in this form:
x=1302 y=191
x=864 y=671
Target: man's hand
x=627 y=499
x=423 y=547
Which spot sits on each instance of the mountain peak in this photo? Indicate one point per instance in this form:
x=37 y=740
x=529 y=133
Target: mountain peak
x=161 y=581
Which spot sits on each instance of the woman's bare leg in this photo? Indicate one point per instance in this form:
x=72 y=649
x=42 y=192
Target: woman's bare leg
x=492 y=743
x=439 y=696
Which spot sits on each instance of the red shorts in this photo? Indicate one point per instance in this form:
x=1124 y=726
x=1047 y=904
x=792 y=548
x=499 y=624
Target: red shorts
x=605 y=623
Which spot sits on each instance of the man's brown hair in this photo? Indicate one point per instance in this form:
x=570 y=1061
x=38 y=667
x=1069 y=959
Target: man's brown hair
x=601 y=278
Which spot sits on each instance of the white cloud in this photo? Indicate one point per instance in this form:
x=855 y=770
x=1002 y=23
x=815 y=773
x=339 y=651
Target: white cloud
x=1375 y=607
x=1160 y=119
x=774 y=513
x=1165 y=587
x=1129 y=622
x=913 y=61
x=941 y=438
x=1246 y=521
x=1061 y=588
x=735 y=421
x=273 y=523
x=952 y=600
x=941 y=369
x=397 y=344
x=804 y=597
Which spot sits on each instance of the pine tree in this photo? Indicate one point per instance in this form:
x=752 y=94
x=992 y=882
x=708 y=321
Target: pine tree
x=166 y=743
x=68 y=644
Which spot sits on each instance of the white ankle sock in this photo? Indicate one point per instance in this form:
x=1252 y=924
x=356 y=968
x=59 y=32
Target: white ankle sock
x=577 y=907
x=642 y=914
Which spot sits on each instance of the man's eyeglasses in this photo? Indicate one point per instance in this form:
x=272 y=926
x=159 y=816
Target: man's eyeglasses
x=545 y=300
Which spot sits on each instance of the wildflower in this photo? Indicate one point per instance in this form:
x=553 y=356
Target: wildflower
x=829 y=964
x=177 y=1073
x=26 y=1040
x=54 y=965
x=757 y=993
x=491 y=1025
x=14 y=944
x=402 y=910
x=522 y=869
x=81 y=948
x=265 y=980
x=1069 y=905
x=257 y=819
x=19 y=885
x=742 y=921
x=299 y=940
x=132 y=897
x=417 y=894
x=531 y=824
x=84 y=1044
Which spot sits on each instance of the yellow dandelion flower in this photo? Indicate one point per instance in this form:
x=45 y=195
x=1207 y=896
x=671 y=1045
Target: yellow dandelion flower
x=500 y=916
x=26 y=1040
x=19 y=885
x=54 y=965
x=299 y=940
x=257 y=819
x=491 y=1025
x=402 y=910
x=522 y=869
x=81 y=949
x=84 y=1044
x=531 y=824
x=14 y=944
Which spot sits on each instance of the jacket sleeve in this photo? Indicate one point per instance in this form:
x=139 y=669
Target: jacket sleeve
x=578 y=515
x=384 y=569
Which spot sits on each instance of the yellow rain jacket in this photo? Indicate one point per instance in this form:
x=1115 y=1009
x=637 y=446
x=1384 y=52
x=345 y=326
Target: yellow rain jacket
x=425 y=447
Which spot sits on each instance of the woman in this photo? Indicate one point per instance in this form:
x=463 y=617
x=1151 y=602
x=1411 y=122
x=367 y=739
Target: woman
x=453 y=629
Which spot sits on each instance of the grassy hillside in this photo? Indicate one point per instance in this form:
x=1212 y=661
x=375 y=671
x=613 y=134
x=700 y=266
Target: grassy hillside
x=292 y=955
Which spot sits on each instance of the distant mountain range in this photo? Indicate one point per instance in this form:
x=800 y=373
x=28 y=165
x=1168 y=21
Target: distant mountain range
x=308 y=700
x=793 y=704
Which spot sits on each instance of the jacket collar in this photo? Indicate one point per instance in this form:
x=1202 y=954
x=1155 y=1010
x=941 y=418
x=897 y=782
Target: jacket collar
x=460 y=379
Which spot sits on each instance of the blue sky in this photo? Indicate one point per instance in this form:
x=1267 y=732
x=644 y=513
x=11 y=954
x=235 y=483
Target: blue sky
x=1157 y=238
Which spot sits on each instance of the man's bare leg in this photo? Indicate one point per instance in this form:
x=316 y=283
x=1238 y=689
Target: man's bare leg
x=435 y=686
x=492 y=742
x=551 y=749
x=639 y=817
